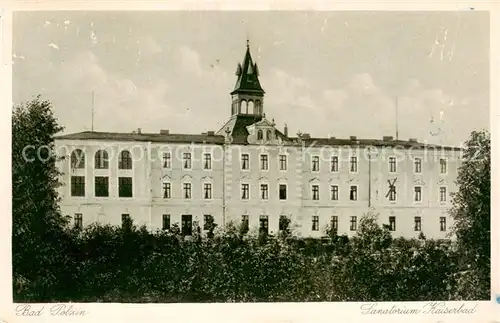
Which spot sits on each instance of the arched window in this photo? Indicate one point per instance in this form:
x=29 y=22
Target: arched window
x=101 y=160
x=77 y=159
x=125 y=160
x=256 y=108
x=259 y=135
x=269 y=135
x=250 y=107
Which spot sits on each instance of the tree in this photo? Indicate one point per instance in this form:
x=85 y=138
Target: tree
x=38 y=229
x=471 y=215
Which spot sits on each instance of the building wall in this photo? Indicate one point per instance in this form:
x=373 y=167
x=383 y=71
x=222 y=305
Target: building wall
x=147 y=205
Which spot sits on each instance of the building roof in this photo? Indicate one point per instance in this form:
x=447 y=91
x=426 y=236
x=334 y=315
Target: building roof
x=153 y=137
x=248 y=76
x=237 y=126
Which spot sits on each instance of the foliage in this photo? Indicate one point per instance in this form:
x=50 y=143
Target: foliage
x=38 y=235
x=471 y=215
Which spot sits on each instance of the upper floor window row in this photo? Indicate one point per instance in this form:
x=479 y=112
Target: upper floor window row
x=334 y=164
x=187 y=160
x=101 y=159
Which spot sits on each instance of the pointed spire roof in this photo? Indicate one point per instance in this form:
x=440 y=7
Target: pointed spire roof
x=248 y=76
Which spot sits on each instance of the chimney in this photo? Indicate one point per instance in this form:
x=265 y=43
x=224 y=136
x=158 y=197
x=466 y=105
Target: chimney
x=139 y=130
x=387 y=138
x=164 y=132
x=353 y=138
x=211 y=133
x=413 y=140
x=285 y=131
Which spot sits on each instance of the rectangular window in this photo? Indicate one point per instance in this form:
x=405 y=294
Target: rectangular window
x=186 y=160
x=264 y=224
x=125 y=187
x=335 y=223
x=315 y=163
x=353 y=193
x=101 y=186
x=167 y=160
x=418 y=165
x=335 y=164
x=335 y=192
x=264 y=191
x=78 y=220
x=418 y=223
x=167 y=190
x=442 y=194
x=125 y=220
x=392 y=193
x=417 y=194
x=392 y=164
x=282 y=188
x=354 y=164
x=283 y=164
x=245 y=161
x=264 y=165
x=187 y=224
x=442 y=165
x=392 y=223
x=283 y=224
x=354 y=223
x=207 y=219
x=187 y=190
x=315 y=223
x=207 y=191
x=207 y=161
x=166 y=222
x=245 y=191
x=442 y=223
x=315 y=192
x=244 y=223
x=77 y=185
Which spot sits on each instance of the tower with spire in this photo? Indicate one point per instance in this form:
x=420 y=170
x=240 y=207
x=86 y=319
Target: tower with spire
x=248 y=95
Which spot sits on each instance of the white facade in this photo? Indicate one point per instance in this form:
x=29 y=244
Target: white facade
x=305 y=169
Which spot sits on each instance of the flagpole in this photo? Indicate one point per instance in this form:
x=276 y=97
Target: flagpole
x=93 y=101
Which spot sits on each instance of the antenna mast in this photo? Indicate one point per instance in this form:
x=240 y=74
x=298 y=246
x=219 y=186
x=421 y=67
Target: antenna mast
x=397 y=125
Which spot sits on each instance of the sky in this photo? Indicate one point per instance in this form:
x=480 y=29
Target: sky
x=329 y=74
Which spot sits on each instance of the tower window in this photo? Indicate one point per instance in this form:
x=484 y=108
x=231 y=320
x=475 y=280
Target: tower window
x=260 y=135
x=269 y=135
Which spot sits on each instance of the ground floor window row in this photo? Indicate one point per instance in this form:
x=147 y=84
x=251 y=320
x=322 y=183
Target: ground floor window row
x=187 y=223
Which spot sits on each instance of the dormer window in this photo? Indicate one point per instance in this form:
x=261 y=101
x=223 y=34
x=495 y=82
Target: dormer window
x=269 y=135
x=259 y=135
